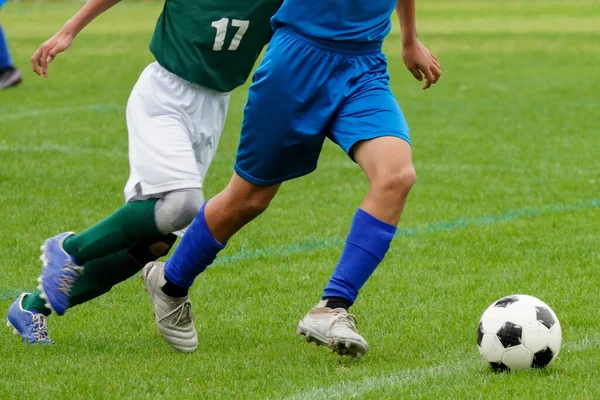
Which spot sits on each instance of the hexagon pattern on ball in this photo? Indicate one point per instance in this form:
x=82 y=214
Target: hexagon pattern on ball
x=519 y=332
x=517 y=357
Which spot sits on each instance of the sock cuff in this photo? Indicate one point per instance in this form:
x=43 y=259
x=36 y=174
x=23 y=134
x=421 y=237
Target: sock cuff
x=197 y=250
x=207 y=232
x=371 y=234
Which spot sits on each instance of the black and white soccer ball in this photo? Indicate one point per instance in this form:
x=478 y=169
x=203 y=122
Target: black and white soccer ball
x=519 y=332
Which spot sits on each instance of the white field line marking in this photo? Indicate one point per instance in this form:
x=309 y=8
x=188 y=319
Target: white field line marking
x=413 y=376
x=36 y=112
x=64 y=149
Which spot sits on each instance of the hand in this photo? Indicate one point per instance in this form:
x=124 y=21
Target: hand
x=420 y=61
x=49 y=50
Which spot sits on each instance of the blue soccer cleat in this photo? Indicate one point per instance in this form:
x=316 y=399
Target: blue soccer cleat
x=30 y=325
x=59 y=274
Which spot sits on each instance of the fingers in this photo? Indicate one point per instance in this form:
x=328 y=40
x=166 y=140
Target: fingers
x=416 y=73
x=52 y=55
x=437 y=73
x=44 y=61
x=35 y=61
x=429 y=78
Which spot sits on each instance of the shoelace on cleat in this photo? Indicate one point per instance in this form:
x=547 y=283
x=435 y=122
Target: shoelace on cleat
x=39 y=329
x=348 y=320
x=181 y=315
x=185 y=315
x=70 y=273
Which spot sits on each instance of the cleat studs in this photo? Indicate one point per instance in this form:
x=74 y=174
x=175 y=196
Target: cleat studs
x=39 y=287
x=47 y=305
x=43 y=296
x=39 y=279
x=16 y=332
x=8 y=324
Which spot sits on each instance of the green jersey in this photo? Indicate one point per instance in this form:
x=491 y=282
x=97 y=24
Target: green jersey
x=213 y=43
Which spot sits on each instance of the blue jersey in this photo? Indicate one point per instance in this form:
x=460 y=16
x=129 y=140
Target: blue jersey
x=356 y=21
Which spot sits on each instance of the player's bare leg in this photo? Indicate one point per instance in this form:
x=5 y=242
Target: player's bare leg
x=387 y=164
x=234 y=207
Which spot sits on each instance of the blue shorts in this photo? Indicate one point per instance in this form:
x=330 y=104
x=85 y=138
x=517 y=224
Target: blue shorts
x=304 y=91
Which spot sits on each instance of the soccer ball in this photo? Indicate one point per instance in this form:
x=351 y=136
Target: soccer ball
x=519 y=332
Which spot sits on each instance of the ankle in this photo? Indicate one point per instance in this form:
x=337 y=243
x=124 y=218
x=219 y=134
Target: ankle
x=338 y=302
x=33 y=302
x=173 y=290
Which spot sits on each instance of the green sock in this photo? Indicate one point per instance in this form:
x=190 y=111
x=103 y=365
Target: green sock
x=129 y=224
x=33 y=302
x=99 y=276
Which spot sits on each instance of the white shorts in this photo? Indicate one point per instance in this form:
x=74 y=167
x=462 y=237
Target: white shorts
x=174 y=129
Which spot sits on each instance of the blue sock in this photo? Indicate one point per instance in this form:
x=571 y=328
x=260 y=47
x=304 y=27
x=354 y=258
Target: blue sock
x=5 y=60
x=197 y=250
x=368 y=241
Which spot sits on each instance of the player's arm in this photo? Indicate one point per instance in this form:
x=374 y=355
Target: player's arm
x=417 y=58
x=63 y=38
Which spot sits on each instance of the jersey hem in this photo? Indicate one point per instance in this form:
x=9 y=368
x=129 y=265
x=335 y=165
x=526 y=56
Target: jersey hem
x=185 y=82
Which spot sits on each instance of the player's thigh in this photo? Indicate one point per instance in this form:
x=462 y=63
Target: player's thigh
x=287 y=113
x=161 y=150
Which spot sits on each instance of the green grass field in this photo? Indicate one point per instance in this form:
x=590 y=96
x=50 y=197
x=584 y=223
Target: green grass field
x=506 y=148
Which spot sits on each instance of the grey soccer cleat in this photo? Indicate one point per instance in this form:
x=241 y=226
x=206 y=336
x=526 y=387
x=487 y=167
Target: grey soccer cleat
x=334 y=328
x=174 y=317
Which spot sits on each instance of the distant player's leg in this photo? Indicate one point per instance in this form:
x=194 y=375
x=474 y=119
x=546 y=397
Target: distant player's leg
x=271 y=151
x=371 y=128
x=9 y=75
x=162 y=160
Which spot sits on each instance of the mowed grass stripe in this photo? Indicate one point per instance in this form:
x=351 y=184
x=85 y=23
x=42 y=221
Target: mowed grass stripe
x=311 y=246
x=6 y=115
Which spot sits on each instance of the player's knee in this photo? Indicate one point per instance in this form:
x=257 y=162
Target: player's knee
x=159 y=249
x=146 y=251
x=176 y=210
x=396 y=181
